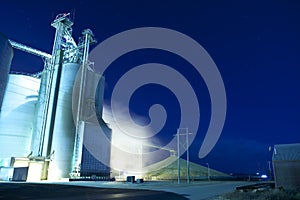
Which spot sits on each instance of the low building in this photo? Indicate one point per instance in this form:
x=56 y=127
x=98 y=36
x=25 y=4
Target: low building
x=286 y=164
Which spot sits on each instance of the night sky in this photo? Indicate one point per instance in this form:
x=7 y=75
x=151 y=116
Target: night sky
x=255 y=45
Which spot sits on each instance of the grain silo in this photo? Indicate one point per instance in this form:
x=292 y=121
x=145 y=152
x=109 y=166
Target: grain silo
x=38 y=125
x=17 y=115
x=62 y=143
x=6 y=55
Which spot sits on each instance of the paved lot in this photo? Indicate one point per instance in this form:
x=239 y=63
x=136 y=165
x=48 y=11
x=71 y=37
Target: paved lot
x=198 y=192
x=15 y=191
x=116 y=190
x=194 y=191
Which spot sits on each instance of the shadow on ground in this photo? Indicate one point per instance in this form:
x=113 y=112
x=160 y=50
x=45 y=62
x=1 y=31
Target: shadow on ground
x=55 y=191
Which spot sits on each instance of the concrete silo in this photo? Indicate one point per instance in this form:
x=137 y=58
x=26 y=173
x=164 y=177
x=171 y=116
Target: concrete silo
x=38 y=124
x=63 y=134
x=17 y=116
x=96 y=144
x=6 y=55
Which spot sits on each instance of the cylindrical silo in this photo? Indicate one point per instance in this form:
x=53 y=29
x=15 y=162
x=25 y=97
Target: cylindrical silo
x=6 y=55
x=64 y=128
x=40 y=113
x=17 y=115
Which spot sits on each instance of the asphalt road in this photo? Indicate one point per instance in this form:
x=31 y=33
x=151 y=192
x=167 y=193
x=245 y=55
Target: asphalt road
x=32 y=191
x=201 y=192
x=116 y=190
x=194 y=191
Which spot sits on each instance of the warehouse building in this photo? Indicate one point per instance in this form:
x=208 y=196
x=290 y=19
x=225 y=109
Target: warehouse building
x=286 y=164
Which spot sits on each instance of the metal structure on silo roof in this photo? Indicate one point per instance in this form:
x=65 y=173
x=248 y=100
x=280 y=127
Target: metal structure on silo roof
x=6 y=55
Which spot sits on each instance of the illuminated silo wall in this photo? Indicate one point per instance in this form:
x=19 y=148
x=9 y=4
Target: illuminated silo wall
x=39 y=124
x=17 y=115
x=6 y=55
x=96 y=132
x=64 y=127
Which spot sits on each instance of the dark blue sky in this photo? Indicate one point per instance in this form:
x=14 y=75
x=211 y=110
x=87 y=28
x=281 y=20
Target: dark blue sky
x=255 y=44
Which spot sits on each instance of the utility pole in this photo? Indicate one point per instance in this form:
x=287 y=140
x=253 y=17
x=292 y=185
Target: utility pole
x=178 y=156
x=208 y=172
x=186 y=146
x=187 y=158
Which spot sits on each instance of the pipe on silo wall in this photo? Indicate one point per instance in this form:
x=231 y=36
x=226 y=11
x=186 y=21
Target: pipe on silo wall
x=54 y=82
x=17 y=116
x=6 y=55
x=40 y=115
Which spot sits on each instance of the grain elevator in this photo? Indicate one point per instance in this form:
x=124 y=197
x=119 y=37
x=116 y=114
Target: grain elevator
x=42 y=125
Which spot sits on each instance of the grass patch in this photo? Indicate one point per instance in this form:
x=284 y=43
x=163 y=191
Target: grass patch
x=271 y=194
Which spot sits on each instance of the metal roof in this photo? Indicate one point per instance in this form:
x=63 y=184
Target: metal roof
x=286 y=152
